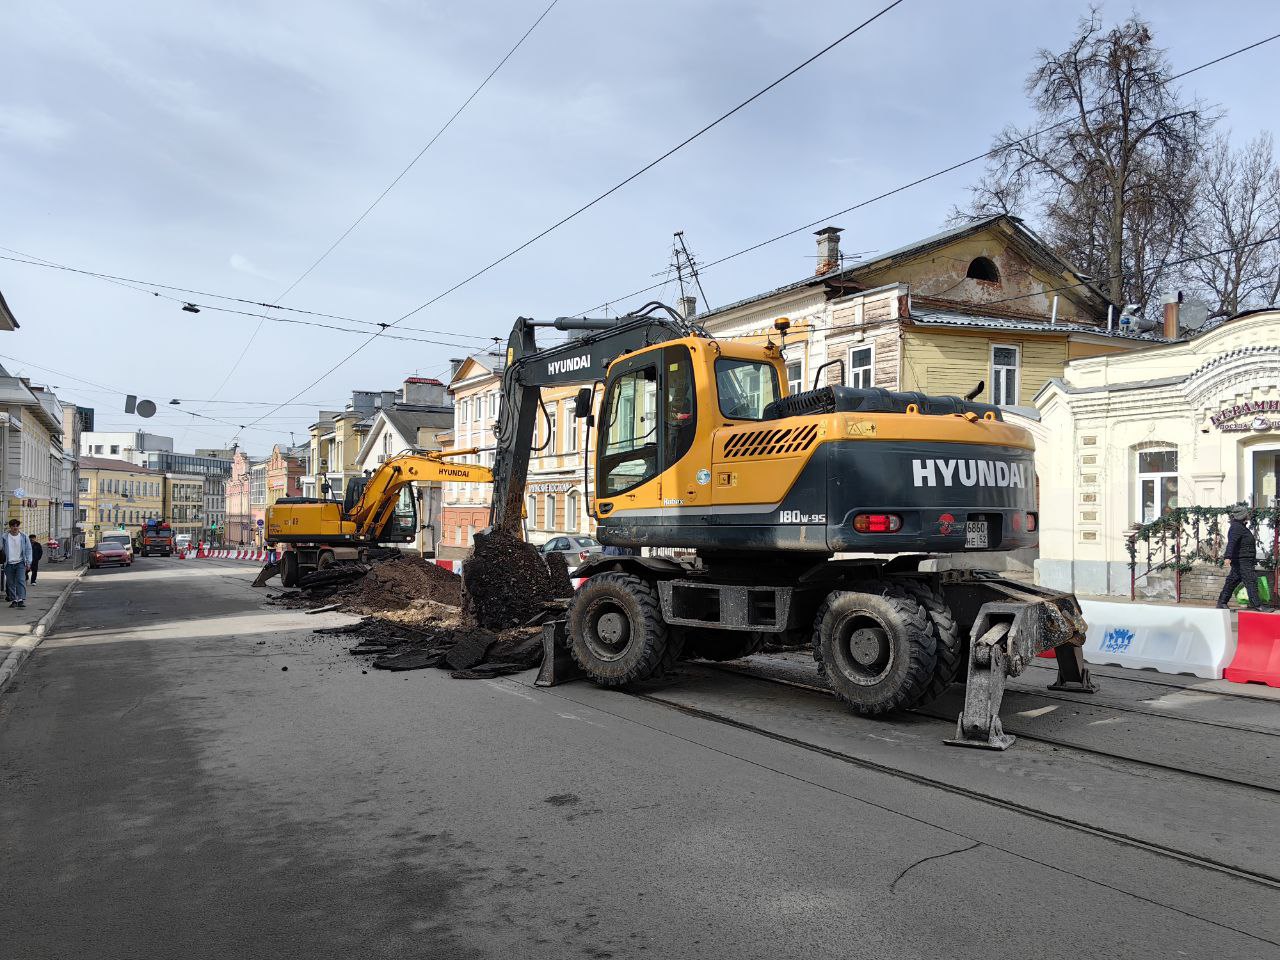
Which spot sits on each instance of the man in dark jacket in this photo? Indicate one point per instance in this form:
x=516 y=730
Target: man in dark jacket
x=1242 y=554
x=37 y=551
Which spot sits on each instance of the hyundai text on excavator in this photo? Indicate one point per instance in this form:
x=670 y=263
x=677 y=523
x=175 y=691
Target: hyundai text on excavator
x=812 y=517
x=380 y=509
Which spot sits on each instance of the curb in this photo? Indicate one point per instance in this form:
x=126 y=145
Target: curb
x=23 y=648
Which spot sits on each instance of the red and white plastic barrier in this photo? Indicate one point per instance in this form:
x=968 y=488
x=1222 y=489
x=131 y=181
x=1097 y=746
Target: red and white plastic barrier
x=1257 y=658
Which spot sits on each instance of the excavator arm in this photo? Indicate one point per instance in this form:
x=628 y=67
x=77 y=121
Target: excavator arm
x=582 y=360
x=378 y=499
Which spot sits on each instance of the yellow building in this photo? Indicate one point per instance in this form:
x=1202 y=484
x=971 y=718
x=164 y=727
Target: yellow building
x=184 y=503
x=117 y=495
x=988 y=302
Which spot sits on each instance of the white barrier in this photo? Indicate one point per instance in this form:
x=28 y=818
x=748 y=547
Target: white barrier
x=1167 y=638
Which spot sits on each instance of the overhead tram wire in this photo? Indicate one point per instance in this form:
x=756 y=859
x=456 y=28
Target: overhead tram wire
x=914 y=183
x=400 y=176
x=615 y=188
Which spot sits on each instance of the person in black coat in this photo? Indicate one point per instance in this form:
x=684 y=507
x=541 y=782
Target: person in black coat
x=37 y=551
x=1242 y=554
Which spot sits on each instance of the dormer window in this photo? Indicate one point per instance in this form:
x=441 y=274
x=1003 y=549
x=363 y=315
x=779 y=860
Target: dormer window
x=982 y=268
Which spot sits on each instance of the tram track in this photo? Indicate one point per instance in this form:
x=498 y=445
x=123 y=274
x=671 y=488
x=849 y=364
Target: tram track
x=1270 y=792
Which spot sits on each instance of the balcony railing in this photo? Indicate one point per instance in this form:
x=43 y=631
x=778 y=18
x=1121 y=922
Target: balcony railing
x=1186 y=536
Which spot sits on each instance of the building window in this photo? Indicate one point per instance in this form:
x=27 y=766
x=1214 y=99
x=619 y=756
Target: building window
x=572 y=511
x=570 y=428
x=477 y=409
x=1157 y=483
x=981 y=268
x=862 y=366
x=550 y=523
x=551 y=430
x=493 y=405
x=115 y=448
x=1004 y=375
x=795 y=377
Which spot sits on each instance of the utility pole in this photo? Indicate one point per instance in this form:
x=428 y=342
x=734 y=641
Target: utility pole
x=684 y=263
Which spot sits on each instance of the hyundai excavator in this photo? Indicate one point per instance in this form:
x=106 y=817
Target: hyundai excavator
x=311 y=534
x=811 y=517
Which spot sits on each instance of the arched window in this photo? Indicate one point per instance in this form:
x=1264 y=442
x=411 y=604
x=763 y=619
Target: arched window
x=550 y=523
x=572 y=511
x=982 y=268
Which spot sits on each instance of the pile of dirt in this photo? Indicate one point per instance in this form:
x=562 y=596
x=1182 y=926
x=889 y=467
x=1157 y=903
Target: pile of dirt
x=395 y=584
x=506 y=582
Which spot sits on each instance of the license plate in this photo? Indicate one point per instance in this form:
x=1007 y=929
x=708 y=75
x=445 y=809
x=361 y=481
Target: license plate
x=975 y=533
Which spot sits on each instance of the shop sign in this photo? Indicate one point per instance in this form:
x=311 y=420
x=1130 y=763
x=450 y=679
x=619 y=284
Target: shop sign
x=550 y=487
x=1246 y=417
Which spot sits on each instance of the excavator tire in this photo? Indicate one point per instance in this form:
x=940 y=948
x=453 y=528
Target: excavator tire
x=947 y=633
x=616 y=631
x=723 y=644
x=289 y=569
x=877 y=646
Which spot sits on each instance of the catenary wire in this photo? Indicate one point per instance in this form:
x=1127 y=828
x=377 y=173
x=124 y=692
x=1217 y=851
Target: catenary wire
x=618 y=186
x=387 y=190
x=914 y=183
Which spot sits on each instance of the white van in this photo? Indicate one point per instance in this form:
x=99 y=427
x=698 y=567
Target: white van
x=182 y=541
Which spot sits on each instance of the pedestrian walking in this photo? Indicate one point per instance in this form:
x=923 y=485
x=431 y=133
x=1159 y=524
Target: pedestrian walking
x=1242 y=554
x=17 y=560
x=37 y=551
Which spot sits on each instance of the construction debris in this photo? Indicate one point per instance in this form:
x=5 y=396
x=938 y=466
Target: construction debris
x=412 y=616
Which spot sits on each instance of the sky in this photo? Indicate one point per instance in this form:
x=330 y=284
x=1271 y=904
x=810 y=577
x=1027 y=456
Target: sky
x=223 y=146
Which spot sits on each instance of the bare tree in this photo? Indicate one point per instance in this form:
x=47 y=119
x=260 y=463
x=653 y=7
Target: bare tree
x=1235 y=216
x=1108 y=170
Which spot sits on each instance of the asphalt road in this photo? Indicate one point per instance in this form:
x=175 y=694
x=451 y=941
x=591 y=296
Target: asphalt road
x=170 y=789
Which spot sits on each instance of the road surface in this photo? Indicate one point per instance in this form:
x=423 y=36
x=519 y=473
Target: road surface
x=190 y=773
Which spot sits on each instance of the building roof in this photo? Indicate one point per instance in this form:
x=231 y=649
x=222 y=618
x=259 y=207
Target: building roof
x=7 y=320
x=935 y=317
x=432 y=381
x=106 y=463
x=851 y=274
x=408 y=422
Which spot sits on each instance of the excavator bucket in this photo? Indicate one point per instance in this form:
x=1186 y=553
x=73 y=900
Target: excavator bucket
x=269 y=570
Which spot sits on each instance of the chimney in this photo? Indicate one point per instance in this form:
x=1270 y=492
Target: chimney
x=455 y=364
x=424 y=391
x=828 y=249
x=688 y=307
x=1172 y=304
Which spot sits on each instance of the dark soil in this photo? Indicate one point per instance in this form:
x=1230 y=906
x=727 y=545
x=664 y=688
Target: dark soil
x=505 y=581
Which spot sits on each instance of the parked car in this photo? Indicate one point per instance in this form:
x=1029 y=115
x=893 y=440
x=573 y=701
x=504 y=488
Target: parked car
x=108 y=552
x=576 y=549
x=120 y=537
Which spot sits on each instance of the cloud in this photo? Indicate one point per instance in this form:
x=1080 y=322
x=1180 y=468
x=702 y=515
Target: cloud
x=243 y=264
x=32 y=127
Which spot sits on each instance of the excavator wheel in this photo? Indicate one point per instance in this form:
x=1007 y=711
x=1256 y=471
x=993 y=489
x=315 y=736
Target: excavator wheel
x=616 y=631
x=723 y=644
x=950 y=642
x=289 y=569
x=877 y=646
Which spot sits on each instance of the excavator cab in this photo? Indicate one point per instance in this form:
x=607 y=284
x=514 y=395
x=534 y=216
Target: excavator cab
x=402 y=525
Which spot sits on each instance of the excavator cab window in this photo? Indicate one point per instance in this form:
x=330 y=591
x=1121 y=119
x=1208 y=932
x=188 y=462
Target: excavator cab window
x=745 y=388
x=402 y=526
x=629 y=433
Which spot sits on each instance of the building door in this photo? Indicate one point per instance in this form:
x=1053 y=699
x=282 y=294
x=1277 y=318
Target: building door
x=1264 y=465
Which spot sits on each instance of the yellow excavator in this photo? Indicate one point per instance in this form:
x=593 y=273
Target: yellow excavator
x=311 y=534
x=812 y=516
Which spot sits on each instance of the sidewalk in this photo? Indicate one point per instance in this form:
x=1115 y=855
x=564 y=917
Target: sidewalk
x=18 y=633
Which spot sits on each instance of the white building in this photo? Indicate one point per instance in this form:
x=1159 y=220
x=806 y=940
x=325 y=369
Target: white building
x=412 y=427
x=1124 y=438
x=130 y=446
x=31 y=468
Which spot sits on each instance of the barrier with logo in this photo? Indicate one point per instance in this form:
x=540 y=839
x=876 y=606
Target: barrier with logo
x=1257 y=658
x=1171 y=639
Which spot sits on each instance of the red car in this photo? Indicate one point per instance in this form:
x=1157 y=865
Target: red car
x=109 y=552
